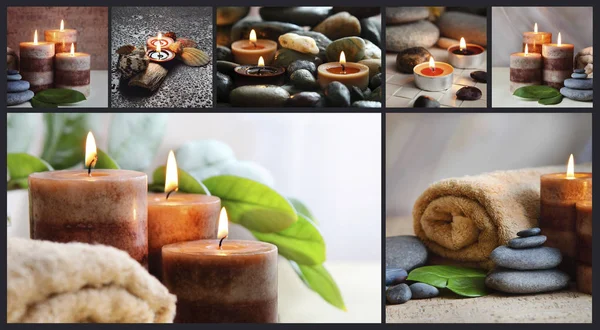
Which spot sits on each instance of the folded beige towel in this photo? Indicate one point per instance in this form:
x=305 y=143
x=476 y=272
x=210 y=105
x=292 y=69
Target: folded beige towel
x=75 y=282
x=464 y=219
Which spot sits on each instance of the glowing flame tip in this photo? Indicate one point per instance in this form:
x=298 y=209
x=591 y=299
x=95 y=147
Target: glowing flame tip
x=342 y=58
x=252 y=36
x=261 y=61
x=559 y=40
x=463 y=44
x=535 y=28
x=571 y=168
x=62 y=25
x=431 y=63
x=91 y=153
x=223 y=224
x=171 y=177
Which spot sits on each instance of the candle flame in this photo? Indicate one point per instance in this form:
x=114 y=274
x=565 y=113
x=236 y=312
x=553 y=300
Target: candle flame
x=432 y=63
x=559 y=42
x=261 y=61
x=535 y=29
x=171 y=177
x=159 y=36
x=62 y=25
x=463 y=44
x=571 y=168
x=342 y=58
x=526 y=50
x=72 y=49
x=35 y=38
x=252 y=36
x=223 y=224
x=91 y=153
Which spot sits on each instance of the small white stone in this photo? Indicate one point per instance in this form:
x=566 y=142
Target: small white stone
x=299 y=43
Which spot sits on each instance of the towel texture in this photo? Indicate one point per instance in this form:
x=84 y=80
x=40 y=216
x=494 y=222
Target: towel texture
x=465 y=218
x=75 y=282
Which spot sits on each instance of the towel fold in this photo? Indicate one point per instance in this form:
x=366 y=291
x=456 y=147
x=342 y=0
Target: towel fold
x=465 y=218
x=75 y=282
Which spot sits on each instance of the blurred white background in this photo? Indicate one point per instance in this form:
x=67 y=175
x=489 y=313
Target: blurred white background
x=424 y=148
x=508 y=24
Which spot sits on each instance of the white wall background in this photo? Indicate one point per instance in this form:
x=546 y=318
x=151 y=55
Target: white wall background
x=424 y=148
x=508 y=24
x=332 y=162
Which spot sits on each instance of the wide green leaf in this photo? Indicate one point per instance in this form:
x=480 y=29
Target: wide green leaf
x=551 y=100
x=187 y=183
x=134 y=138
x=105 y=161
x=20 y=165
x=463 y=281
x=19 y=131
x=318 y=279
x=252 y=204
x=37 y=103
x=301 y=242
x=64 y=144
x=536 y=92
x=468 y=286
x=301 y=208
x=59 y=96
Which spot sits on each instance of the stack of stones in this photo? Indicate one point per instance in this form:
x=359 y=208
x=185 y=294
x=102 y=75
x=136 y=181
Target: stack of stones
x=525 y=266
x=17 y=90
x=579 y=87
x=408 y=27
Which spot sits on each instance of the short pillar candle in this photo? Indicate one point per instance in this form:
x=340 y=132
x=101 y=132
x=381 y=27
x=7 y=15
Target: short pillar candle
x=73 y=71
x=62 y=38
x=558 y=63
x=525 y=69
x=37 y=63
x=534 y=40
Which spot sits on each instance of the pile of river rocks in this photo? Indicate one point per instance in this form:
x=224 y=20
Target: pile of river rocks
x=17 y=89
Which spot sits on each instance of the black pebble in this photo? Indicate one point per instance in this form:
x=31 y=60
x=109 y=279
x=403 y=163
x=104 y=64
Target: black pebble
x=375 y=81
x=356 y=94
x=395 y=276
x=479 y=76
x=302 y=64
x=468 y=93
x=398 y=294
x=337 y=94
x=529 y=232
x=305 y=99
x=224 y=54
x=224 y=86
x=424 y=101
x=366 y=104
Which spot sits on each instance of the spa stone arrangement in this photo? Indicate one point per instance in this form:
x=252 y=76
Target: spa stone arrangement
x=299 y=57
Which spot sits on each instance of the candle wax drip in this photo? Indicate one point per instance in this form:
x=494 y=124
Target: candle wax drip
x=342 y=70
x=432 y=73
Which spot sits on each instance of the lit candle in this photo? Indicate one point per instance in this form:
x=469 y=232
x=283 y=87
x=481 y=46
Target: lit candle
x=584 y=246
x=259 y=74
x=91 y=206
x=222 y=281
x=249 y=51
x=559 y=194
x=348 y=73
x=466 y=55
x=558 y=63
x=159 y=54
x=178 y=217
x=525 y=69
x=62 y=38
x=37 y=63
x=433 y=76
x=534 y=40
x=73 y=71
x=159 y=41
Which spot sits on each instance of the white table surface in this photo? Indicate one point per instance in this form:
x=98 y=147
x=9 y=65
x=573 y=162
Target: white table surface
x=503 y=98
x=98 y=93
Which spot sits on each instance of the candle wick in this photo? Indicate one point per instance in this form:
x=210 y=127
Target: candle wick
x=170 y=192
x=253 y=43
x=343 y=69
x=259 y=71
x=92 y=163
x=221 y=242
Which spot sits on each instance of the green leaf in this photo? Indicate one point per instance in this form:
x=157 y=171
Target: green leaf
x=252 y=204
x=19 y=131
x=318 y=279
x=536 y=92
x=20 y=165
x=134 y=138
x=59 y=96
x=105 y=161
x=64 y=144
x=463 y=281
x=36 y=103
x=187 y=183
x=301 y=242
x=551 y=100
x=301 y=208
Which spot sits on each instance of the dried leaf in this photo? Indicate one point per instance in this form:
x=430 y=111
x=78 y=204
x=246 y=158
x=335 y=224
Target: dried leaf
x=124 y=50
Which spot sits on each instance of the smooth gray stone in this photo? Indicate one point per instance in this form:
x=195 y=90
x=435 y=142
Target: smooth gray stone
x=584 y=84
x=526 y=259
x=226 y=67
x=284 y=57
x=526 y=281
x=258 y=96
x=224 y=85
x=370 y=29
x=18 y=98
x=224 y=54
x=423 y=291
x=402 y=15
x=366 y=104
x=305 y=100
x=407 y=59
x=425 y=101
x=406 y=252
x=356 y=94
x=13 y=77
x=418 y=34
x=302 y=64
x=579 y=70
x=264 y=30
x=304 y=79
x=230 y=15
x=375 y=81
x=337 y=95
x=469 y=93
x=303 y=16
x=576 y=75
x=577 y=94
x=358 y=12
x=527 y=242
x=473 y=28
x=11 y=72
x=395 y=276
x=17 y=86
x=398 y=294
x=529 y=232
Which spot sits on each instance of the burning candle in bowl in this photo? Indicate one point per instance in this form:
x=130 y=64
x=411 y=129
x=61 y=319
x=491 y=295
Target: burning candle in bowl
x=159 y=54
x=62 y=38
x=249 y=51
x=259 y=74
x=466 y=55
x=534 y=40
x=558 y=62
x=37 y=63
x=348 y=73
x=433 y=76
x=73 y=71
x=159 y=41
x=525 y=69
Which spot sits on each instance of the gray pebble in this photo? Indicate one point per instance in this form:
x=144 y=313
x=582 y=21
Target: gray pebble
x=11 y=72
x=587 y=83
x=579 y=70
x=13 y=77
x=395 y=276
x=398 y=294
x=406 y=252
x=526 y=281
x=529 y=232
x=423 y=291
x=17 y=86
x=18 y=98
x=304 y=80
x=577 y=94
x=578 y=75
x=526 y=259
x=527 y=242
x=366 y=104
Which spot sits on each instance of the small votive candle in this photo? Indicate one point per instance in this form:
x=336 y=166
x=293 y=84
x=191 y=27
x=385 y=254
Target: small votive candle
x=433 y=76
x=465 y=56
x=62 y=38
x=534 y=40
x=249 y=51
x=348 y=73
x=159 y=41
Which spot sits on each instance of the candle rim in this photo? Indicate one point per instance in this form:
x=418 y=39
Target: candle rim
x=563 y=175
x=98 y=174
x=426 y=64
x=176 y=248
x=323 y=68
x=158 y=198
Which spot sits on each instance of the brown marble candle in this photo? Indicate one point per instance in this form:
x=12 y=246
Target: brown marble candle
x=584 y=246
x=37 y=63
x=73 y=71
x=558 y=63
x=534 y=40
x=62 y=38
x=525 y=69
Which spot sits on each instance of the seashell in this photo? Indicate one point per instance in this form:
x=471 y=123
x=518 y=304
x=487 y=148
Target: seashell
x=176 y=47
x=171 y=35
x=186 y=42
x=131 y=64
x=194 y=57
x=124 y=50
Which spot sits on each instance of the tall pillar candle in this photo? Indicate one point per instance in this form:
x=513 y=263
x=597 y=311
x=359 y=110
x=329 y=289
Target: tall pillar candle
x=62 y=38
x=73 y=71
x=525 y=69
x=534 y=40
x=558 y=63
x=37 y=63
x=584 y=246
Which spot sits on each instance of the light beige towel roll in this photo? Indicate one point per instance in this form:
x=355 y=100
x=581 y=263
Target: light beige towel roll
x=465 y=218
x=75 y=282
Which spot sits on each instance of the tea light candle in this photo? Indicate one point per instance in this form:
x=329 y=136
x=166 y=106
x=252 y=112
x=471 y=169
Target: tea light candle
x=249 y=51
x=73 y=71
x=534 y=40
x=558 y=63
x=97 y=207
x=178 y=217
x=259 y=74
x=159 y=41
x=348 y=73
x=466 y=55
x=37 y=63
x=160 y=55
x=559 y=194
x=222 y=281
x=433 y=76
x=62 y=38
x=525 y=69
